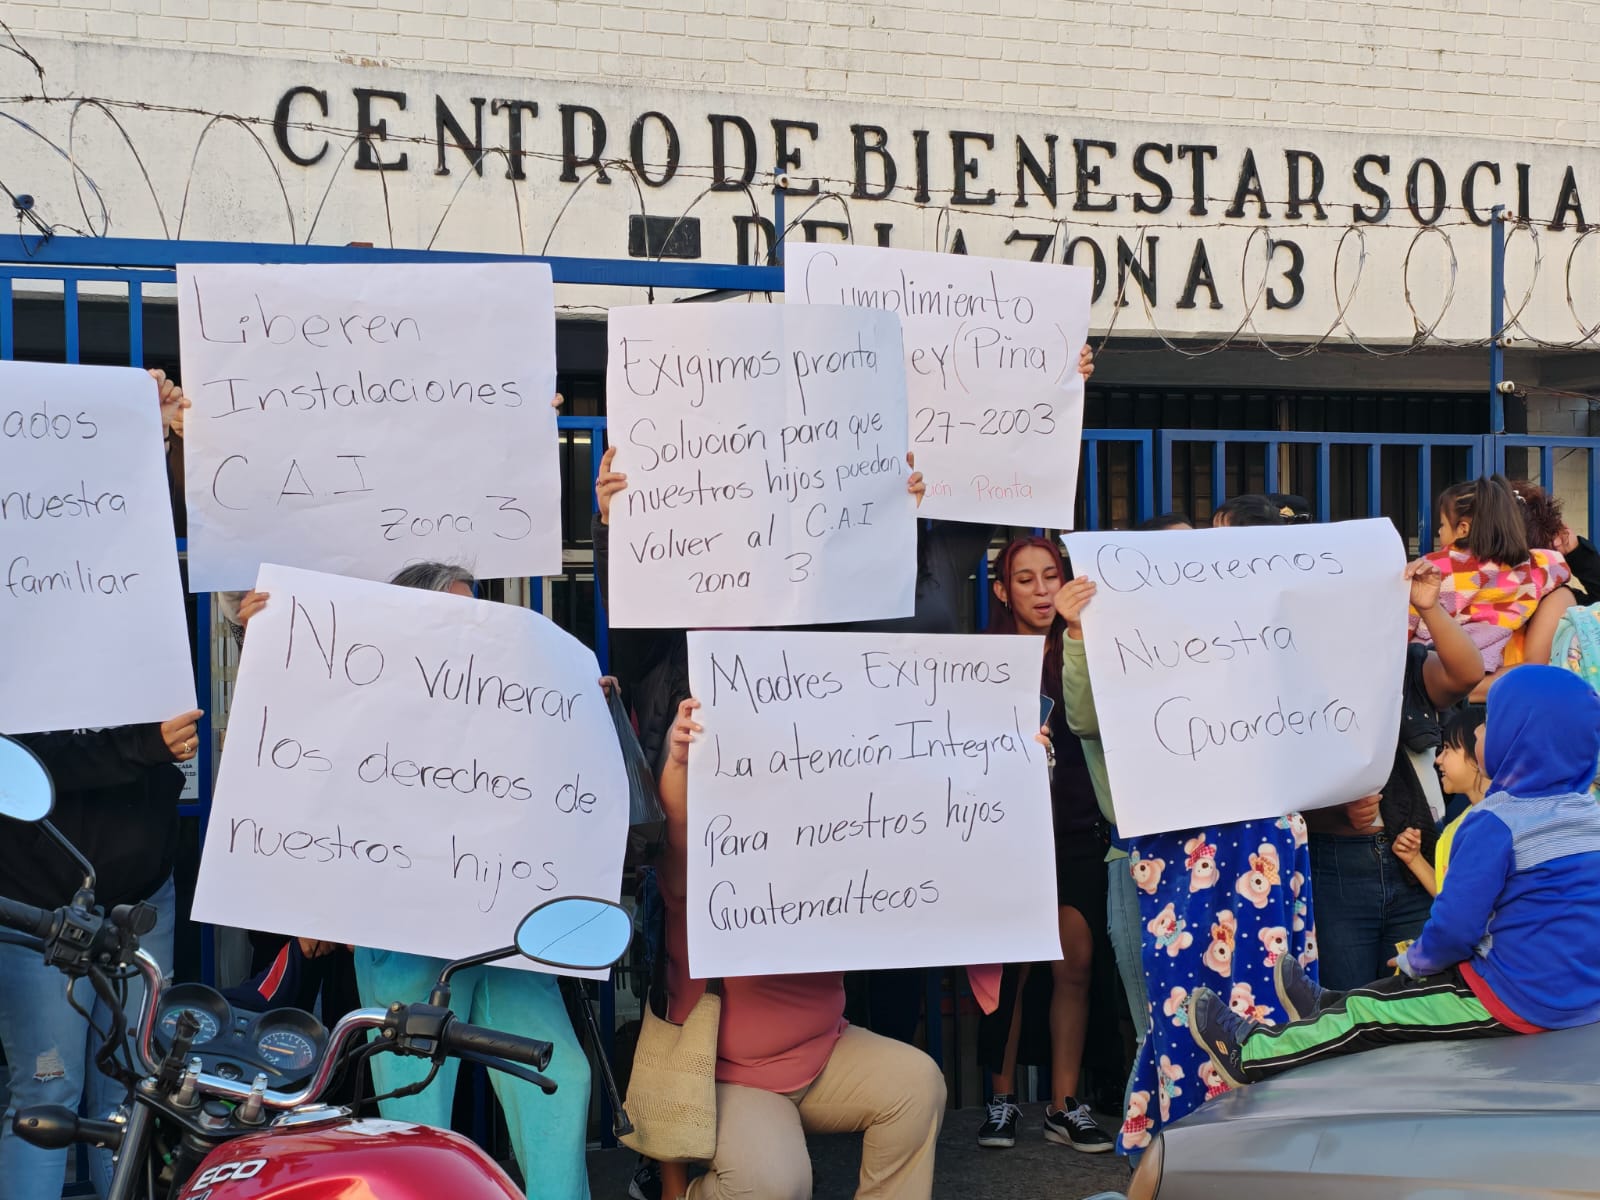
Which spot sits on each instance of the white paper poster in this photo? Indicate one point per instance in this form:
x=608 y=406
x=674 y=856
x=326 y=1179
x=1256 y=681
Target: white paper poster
x=856 y=797
x=92 y=628
x=409 y=770
x=355 y=418
x=765 y=452
x=991 y=346
x=1244 y=673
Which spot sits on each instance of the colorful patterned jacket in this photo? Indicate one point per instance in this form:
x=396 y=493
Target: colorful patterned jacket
x=1492 y=601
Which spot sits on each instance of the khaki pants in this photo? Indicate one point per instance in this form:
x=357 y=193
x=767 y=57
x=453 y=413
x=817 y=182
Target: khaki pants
x=891 y=1091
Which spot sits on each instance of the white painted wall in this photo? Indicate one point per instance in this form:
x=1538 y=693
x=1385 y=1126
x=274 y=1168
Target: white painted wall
x=1521 y=69
x=1452 y=82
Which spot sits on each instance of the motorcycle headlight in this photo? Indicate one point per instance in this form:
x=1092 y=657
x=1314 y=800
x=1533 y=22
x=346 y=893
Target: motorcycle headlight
x=1147 y=1179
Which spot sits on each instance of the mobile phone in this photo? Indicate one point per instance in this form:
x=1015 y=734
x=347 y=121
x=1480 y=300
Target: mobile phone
x=1045 y=706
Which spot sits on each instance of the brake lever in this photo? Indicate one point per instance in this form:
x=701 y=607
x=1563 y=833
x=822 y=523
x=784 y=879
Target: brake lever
x=526 y=1074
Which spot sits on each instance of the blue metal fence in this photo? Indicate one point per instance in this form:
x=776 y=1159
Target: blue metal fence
x=1551 y=453
x=1375 y=458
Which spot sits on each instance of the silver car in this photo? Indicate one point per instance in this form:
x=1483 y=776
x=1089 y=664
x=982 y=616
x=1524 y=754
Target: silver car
x=1512 y=1116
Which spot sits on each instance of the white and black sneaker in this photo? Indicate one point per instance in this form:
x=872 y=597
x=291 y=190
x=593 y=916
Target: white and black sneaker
x=1073 y=1125
x=999 y=1132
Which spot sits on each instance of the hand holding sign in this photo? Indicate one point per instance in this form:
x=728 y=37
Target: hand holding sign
x=851 y=796
x=993 y=351
x=757 y=474
x=92 y=630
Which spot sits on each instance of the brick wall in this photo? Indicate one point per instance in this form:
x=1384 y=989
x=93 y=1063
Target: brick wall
x=1517 y=69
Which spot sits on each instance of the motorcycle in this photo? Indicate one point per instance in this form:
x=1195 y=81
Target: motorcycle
x=227 y=1105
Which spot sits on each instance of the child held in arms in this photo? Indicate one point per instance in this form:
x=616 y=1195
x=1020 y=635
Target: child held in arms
x=1513 y=945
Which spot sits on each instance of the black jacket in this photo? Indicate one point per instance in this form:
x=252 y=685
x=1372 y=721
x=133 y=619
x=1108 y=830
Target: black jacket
x=116 y=801
x=653 y=664
x=1585 y=564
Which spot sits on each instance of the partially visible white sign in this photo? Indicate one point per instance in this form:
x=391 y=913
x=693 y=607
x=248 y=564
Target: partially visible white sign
x=1244 y=673
x=354 y=418
x=765 y=452
x=409 y=770
x=92 y=628
x=855 y=797
x=191 y=779
x=992 y=379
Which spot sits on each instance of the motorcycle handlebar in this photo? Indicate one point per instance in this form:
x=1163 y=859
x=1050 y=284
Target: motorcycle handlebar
x=460 y=1038
x=25 y=918
x=457 y=1036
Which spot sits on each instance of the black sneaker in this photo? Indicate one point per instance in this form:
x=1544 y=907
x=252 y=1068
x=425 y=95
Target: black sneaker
x=1073 y=1125
x=999 y=1132
x=1220 y=1032
x=646 y=1181
x=1298 y=995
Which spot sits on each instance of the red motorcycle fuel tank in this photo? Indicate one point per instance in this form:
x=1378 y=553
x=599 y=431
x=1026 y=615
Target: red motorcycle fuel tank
x=350 y=1160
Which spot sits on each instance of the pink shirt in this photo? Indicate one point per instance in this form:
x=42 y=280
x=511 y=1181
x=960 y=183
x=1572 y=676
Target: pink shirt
x=776 y=1031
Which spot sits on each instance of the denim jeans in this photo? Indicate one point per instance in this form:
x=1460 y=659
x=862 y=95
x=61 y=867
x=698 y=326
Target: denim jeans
x=548 y=1133
x=1126 y=930
x=1364 y=900
x=50 y=1055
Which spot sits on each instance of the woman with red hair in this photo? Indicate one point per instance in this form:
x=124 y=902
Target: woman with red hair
x=1027 y=575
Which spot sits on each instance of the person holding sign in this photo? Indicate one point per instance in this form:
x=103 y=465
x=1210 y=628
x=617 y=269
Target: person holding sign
x=547 y=1132
x=1028 y=574
x=787 y=1061
x=947 y=557
x=652 y=663
x=117 y=801
x=1222 y=903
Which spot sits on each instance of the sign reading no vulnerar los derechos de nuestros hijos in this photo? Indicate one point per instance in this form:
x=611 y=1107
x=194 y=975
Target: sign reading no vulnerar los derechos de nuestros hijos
x=450 y=762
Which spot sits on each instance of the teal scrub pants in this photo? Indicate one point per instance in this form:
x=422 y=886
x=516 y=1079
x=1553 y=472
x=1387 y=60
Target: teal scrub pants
x=548 y=1133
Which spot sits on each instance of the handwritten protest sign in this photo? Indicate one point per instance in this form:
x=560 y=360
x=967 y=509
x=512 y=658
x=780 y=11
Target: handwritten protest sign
x=355 y=418
x=409 y=770
x=92 y=629
x=855 y=796
x=765 y=453
x=991 y=352
x=1244 y=673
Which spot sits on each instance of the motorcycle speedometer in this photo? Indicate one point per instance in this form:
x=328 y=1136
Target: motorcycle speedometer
x=287 y=1050
x=209 y=1029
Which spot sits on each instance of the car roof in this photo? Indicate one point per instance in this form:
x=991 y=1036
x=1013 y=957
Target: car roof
x=1545 y=1072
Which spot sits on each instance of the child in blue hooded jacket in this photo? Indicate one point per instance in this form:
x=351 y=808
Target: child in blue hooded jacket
x=1513 y=945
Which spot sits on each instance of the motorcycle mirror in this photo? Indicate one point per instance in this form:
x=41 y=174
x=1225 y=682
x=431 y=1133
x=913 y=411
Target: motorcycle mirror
x=27 y=793
x=578 y=933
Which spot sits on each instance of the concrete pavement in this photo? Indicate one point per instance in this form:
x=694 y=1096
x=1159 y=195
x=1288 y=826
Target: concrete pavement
x=1033 y=1170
